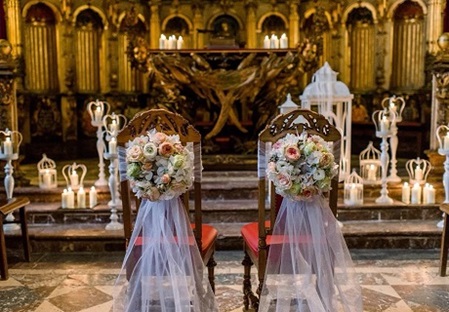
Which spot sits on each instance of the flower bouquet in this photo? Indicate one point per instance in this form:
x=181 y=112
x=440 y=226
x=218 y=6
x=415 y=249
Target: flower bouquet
x=301 y=166
x=159 y=167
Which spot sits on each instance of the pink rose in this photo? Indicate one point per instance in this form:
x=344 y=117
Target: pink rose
x=308 y=192
x=159 y=137
x=292 y=153
x=166 y=149
x=134 y=153
x=147 y=166
x=179 y=147
x=283 y=181
x=165 y=179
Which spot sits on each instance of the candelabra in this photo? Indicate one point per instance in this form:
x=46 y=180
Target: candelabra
x=97 y=110
x=382 y=119
x=71 y=176
x=395 y=106
x=9 y=151
x=117 y=122
x=442 y=133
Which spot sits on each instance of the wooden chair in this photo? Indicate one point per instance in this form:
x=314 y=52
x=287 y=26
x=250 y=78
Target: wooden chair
x=256 y=235
x=170 y=124
x=6 y=207
x=444 y=240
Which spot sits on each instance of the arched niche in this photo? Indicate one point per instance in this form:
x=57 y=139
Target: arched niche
x=100 y=13
x=177 y=25
x=273 y=24
x=56 y=12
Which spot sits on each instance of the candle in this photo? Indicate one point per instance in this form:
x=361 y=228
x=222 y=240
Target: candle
x=353 y=194
x=406 y=193
x=97 y=114
x=7 y=146
x=113 y=127
x=74 y=181
x=81 y=198
x=167 y=43
x=384 y=124
x=180 y=42
x=64 y=199
x=372 y=172
x=46 y=178
x=418 y=174
x=266 y=42
x=425 y=193
x=162 y=40
x=173 y=42
x=392 y=106
x=284 y=42
x=113 y=146
x=416 y=194
x=70 y=198
x=431 y=195
x=446 y=141
x=92 y=197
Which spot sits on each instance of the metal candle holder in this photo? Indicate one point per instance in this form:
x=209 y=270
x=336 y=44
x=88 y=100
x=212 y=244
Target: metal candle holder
x=442 y=134
x=71 y=176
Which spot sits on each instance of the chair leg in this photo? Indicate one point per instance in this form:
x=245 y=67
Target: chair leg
x=211 y=264
x=444 y=246
x=4 y=259
x=25 y=237
x=248 y=295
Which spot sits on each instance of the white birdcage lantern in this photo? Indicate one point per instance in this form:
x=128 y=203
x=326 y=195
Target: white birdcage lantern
x=46 y=169
x=332 y=99
x=353 y=189
x=418 y=169
x=72 y=176
x=288 y=105
x=370 y=166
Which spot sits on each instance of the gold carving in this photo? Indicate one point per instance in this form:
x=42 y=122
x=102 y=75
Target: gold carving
x=442 y=85
x=5 y=51
x=6 y=91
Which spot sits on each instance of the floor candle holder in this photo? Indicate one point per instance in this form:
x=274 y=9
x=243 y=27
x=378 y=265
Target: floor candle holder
x=97 y=109
x=9 y=151
x=442 y=133
x=382 y=122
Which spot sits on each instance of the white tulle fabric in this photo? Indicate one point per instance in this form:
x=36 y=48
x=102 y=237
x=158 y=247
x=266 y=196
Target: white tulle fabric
x=309 y=268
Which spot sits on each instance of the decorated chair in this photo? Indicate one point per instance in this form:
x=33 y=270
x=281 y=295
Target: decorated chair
x=259 y=238
x=168 y=124
x=444 y=207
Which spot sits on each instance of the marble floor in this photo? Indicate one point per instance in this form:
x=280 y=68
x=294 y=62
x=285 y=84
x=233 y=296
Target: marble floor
x=392 y=281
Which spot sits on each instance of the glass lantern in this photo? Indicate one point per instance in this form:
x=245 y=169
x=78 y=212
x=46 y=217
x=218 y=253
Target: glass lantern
x=418 y=169
x=46 y=168
x=370 y=165
x=71 y=176
x=353 y=189
x=9 y=144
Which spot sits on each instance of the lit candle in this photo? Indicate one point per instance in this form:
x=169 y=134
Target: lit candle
x=446 y=141
x=406 y=193
x=392 y=106
x=384 y=124
x=70 y=198
x=372 y=173
x=353 y=194
x=431 y=195
x=266 y=42
x=273 y=41
x=113 y=146
x=418 y=174
x=180 y=42
x=46 y=178
x=416 y=194
x=284 y=42
x=64 y=199
x=92 y=197
x=167 y=43
x=7 y=146
x=97 y=114
x=113 y=127
x=74 y=180
x=425 y=193
x=173 y=42
x=162 y=40
x=81 y=198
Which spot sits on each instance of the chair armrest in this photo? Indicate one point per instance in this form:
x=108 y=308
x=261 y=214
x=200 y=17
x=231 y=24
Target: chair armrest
x=8 y=206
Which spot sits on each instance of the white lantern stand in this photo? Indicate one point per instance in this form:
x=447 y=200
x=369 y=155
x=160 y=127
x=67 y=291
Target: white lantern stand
x=72 y=178
x=353 y=189
x=370 y=165
x=97 y=110
x=396 y=105
x=418 y=169
x=332 y=99
x=442 y=134
x=9 y=151
x=382 y=122
x=288 y=105
x=113 y=124
x=46 y=168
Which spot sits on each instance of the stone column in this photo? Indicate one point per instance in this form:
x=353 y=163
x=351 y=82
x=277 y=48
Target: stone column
x=155 y=24
x=293 y=31
x=198 y=23
x=251 y=26
x=14 y=27
x=434 y=24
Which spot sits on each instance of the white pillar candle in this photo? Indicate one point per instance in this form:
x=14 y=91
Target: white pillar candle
x=416 y=194
x=167 y=43
x=431 y=195
x=7 y=146
x=70 y=198
x=372 y=173
x=418 y=174
x=406 y=193
x=392 y=106
x=173 y=42
x=284 y=42
x=113 y=127
x=92 y=197
x=97 y=114
x=162 y=40
x=113 y=146
x=353 y=196
x=272 y=42
x=180 y=43
x=81 y=198
x=425 y=193
x=74 y=179
x=46 y=178
x=446 y=141
x=384 y=124
x=64 y=199
x=266 y=42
